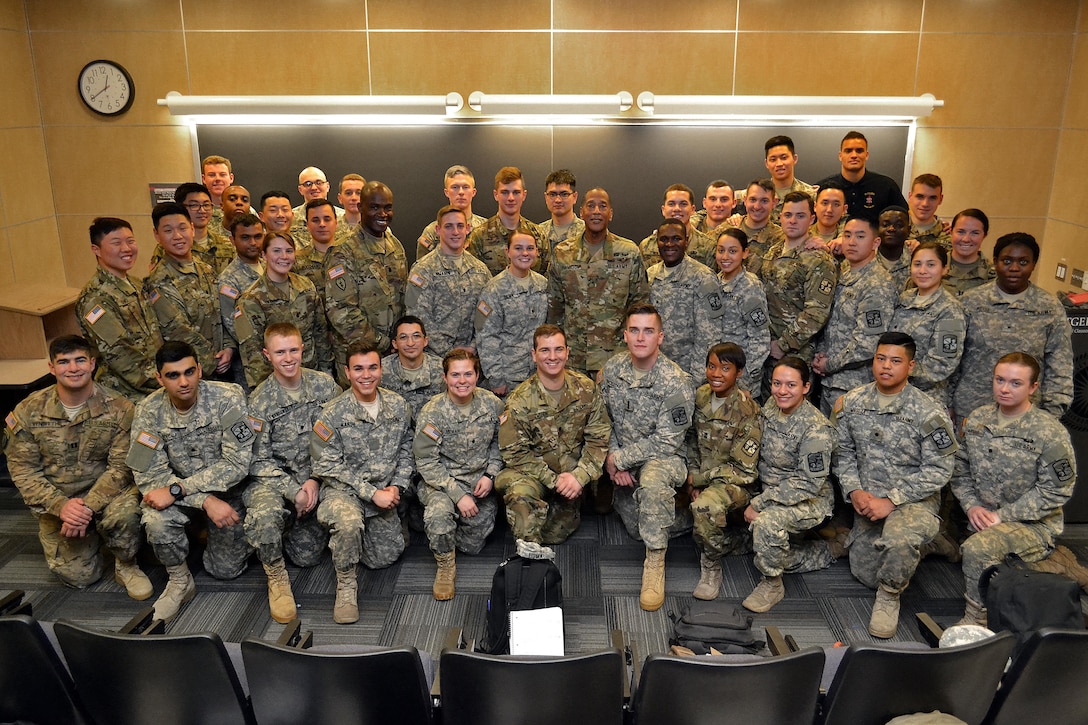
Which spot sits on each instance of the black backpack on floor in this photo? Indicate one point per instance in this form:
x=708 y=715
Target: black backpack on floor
x=1021 y=600
x=715 y=624
x=519 y=584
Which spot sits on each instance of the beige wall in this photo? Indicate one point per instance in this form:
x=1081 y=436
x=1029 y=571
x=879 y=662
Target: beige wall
x=1013 y=74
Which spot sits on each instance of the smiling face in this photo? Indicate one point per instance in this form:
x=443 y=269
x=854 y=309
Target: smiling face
x=730 y=255
x=830 y=207
x=788 y=388
x=217 y=177
x=461 y=379
x=672 y=243
x=597 y=211
x=284 y=353
x=116 y=251
x=175 y=234
x=550 y=353
x=678 y=206
x=73 y=370
x=365 y=375
x=276 y=214
x=780 y=162
x=926 y=270
x=199 y=206
x=409 y=342
x=377 y=210
x=522 y=253
x=923 y=202
x=758 y=203
x=279 y=257
x=312 y=184
x=718 y=203
x=180 y=381
x=721 y=375
x=967 y=237
x=452 y=232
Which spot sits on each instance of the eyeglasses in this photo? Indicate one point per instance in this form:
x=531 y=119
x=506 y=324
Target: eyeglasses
x=405 y=338
x=312 y=184
x=193 y=206
x=558 y=194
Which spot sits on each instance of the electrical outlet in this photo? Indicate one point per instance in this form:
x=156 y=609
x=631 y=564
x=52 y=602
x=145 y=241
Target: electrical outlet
x=1060 y=272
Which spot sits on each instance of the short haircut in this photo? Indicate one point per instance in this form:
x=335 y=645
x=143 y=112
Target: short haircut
x=938 y=249
x=350 y=177
x=409 y=320
x=798 y=364
x=315 y=203
x=678 y=187
x=974 y=214
x=173 y=351
x=283 y=329
x=450 y=209
x=274 y=194
x=854 y=134
x=373 y=187
x=461 y=353
x=66 y=344
x=165 y=209
x=831 y=185
x=778 y=141
x=737 y=234
x=765 y=184
x=719 y=184
x=245 y=220
x=103 y=225
x=1022 y=238
x=547 y=330
x=508 y=175
x=457 y=170
x=728 y=352
x=269 y=237
x=897 y=209
x=929 y=180
x=215 y=160
x=869 y=221
x=795 y=197
x=900 y=339
x=361 y=347
x=641 y=308
x=1021 y=358
x=673 y=223
x=189 y=188
x=561 y=176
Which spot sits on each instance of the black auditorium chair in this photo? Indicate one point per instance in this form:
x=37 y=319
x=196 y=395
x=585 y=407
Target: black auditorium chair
x=126 y=679
x=723 y=691
x=877 y=683
x=480 y=689
x=1047 y=683
x=34 y=685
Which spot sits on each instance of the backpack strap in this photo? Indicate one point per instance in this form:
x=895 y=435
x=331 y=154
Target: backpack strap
x=523 y=582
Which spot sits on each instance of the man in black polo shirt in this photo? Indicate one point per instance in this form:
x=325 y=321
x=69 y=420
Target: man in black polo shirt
x=867 y=192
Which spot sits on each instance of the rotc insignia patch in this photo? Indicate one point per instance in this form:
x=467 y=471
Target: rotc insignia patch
x=941 y=439
x=11 y=420
x=153 y=297
x=95 y=314
x=1063 y=469
x=750 y=447
x=322 y=431
x=337 y=271
x=874 y=319
x=484 y=308
x=432 y=432
x=950 y=343
x=758 y=317
x=227 y=291
x=241 y=431
x=715 y=301
x=147 y=439
x=256 y=424
x=417 y=279
x=679 y=416
x=815 y=462
x=825 y=287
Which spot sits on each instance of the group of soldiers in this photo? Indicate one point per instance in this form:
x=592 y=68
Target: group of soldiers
x=672 y=378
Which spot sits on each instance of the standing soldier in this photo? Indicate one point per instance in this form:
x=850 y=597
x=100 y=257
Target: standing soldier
x=247 y=234
x=488 y=242
x=282 y=494
x=66 y=454
x=561 y=196
x=459 y=186
x=743 y=318
x=210 y=247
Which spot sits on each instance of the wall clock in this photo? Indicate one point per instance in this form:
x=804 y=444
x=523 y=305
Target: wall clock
x=106 y=87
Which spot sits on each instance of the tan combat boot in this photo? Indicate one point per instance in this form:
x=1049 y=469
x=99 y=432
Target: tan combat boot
x=652 y=595
x=180 y=588
x=769 y=592
x=885 y=618
x=710 y=579
x=135 y=582
x=446 y=576
x=975 y=613
x=346 y=608
x=942 y=545
x=281 y=602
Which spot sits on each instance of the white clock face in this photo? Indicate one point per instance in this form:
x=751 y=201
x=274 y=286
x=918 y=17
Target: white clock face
x=106 y=88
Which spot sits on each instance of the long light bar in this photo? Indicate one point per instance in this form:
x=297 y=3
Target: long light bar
x=906 y=108
x=310 y=109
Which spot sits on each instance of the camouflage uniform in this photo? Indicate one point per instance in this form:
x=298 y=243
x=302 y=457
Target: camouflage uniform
x=1033 y=322
x=443 y=291
x=312 y=264
x=549 y=231
x=540 y=438
x=214 y=250
x=488 y=243
x=587 y=297
x=744 y=321
x=699 y=222
x=510 y=309
x=794 y=465
x=650 y=418
x=800 y=286
x=937 y=326
x=701 y=248
x=364 y=290
x=186 y=302
x=814 y=231
x=901 y=451
x=935 y=233
x=298 y=228
x=266 y=303
x=52 y=459
x=723 y=451
x=1024 y=471
x=233 y=281
x=899 y=269
x=428 y=238
x=116 y=318
x=780 y=194
x=207 y=451
x=861 y=312
x=416 y=389
x=454 y=447
x=963 y=277
x=759 y=243
x=282 y=421
x=355 y=457
x=688 y=299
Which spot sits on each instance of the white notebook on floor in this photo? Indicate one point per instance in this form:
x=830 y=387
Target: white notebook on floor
x=537 y=632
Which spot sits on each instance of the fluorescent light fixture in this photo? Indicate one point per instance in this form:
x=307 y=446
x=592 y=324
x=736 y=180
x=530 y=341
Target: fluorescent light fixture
x=598 y=106
x=788 y=108
x=310 y=109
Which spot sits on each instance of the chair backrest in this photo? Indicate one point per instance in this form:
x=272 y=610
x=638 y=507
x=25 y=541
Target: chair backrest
x=34 y=684
x=479 y=689
x=290 y=686
x=1046 y=683
x=876 y=683
x=713 y=690
x=164 y=679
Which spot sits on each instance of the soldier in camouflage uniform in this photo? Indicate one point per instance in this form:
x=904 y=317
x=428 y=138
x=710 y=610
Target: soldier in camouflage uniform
x=459 y=186
x=830 y=216
x=756 y=224
x=182 y=290
x=488 y=242
x=1014 y=471
x=554 y=439
x=512 y=305
x=456 y=450
x=860 y=313
x=247 y=233
x=280 y=295
x=364 y=282
x=350 y=195
x=210 y=247
x=679 y=203
x=794 y=465
x=650 y=401
x=718 y=203
x=969 y=267
x=743 y=319
x=444 y=287
x=688 y=298
x=282 y=494
x=591 y=283
x=66 y=452
x=234 y=203
x=311 y=261
x=361 y=448
x=780 y=158
x=217 y=175
x=560 y=196
x=895 y=453
x=410 y=370
x=723 y=450
x=894 y=253
x=1009 y=314
x=191 y=449
x=312 y=185
x=115 y=316
x=926 y=195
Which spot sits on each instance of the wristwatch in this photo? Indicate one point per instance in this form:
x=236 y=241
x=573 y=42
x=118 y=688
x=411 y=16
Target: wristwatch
x=177 y=491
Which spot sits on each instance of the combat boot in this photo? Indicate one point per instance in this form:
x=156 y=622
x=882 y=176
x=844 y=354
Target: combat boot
x=652 y=595
x=942 y=545
x=769 y=592
x=180 y=588
x=974 y=614
x=281 y=602
x=446 y=576
x=710 y=579
x=837 y=544
x=885 y=618
x=346 y=608
x=135 y=582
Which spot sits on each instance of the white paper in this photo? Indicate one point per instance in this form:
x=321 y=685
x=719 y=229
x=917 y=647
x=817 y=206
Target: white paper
x=537 y=632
